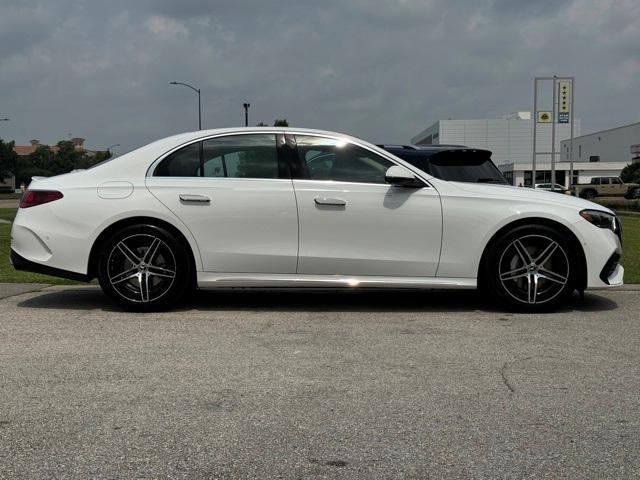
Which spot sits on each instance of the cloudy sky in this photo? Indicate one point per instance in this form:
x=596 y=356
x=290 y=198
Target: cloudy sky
x=379 y=69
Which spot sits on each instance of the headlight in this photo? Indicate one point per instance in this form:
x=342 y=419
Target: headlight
x=601 y=219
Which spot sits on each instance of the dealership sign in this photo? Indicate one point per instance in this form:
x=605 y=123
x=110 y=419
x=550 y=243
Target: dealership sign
x=544 y=117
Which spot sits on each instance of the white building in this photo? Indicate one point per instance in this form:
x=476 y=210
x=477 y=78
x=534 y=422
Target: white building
x=613 y=145
x=583 y=172
x=510 y=138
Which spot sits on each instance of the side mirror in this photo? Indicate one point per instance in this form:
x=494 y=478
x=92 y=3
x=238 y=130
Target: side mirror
x=402 y=177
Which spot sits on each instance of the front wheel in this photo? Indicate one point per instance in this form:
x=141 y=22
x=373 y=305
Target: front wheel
x=144 y=268
x=531 y=268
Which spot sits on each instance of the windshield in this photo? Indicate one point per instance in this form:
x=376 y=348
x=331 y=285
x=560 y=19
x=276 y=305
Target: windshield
x=474 y=166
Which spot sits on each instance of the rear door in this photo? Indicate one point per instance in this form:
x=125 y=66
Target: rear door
x=352 y=222
x=235 y=194
x=616 y=187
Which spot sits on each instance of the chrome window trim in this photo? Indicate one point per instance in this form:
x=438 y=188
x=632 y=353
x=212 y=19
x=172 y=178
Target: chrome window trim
x=377 y=151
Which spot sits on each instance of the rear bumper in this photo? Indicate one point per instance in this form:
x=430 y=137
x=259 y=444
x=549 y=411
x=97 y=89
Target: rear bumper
x=21 y=263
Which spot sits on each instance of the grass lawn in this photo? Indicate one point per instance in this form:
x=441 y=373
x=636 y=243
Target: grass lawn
x=10 y=196
x=630 y=255
x=630 y=247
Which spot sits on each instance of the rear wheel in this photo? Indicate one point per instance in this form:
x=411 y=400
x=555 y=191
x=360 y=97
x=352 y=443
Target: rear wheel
x=531 y=268
x=144 y=268
x=589 y=194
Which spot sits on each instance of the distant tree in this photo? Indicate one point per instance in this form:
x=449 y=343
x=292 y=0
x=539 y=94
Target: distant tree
x=101 y=156
x=41 y=158
x=281 y=122
x=631 y=173
x=37 y=164
x=66 y=158
x=8 y=159
x=46 y=163
x=262 y=124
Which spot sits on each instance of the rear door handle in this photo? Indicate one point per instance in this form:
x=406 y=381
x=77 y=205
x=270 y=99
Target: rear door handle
x=330 y=201
x=185 y=197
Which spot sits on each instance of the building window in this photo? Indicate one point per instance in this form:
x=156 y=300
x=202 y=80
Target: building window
x=508 y=176
x=544 y=176
x=576 y=177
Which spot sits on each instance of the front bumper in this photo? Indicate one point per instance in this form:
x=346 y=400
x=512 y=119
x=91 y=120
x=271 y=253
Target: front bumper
x=612 y=273
x=602 y=251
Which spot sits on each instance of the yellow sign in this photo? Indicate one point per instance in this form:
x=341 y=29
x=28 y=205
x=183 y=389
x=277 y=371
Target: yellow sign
x=564 y=96
x=544 y=117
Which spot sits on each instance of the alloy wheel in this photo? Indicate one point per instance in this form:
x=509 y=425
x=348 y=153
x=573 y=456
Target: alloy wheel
x=141 y=268
x=534 y=269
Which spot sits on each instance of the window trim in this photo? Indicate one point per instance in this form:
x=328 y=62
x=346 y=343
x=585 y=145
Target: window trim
x=154 y=165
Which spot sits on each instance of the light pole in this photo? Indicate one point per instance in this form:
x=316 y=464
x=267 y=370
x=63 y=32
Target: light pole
x=197 y=90
x=112 y=146
x=246 y=113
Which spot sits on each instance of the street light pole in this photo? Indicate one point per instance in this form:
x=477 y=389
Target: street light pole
x=246 y=113
x=197 y=90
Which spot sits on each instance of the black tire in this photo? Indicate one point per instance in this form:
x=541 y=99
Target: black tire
x=589 y=194
x=145 y=268
x=536 y=279
x=632 y=193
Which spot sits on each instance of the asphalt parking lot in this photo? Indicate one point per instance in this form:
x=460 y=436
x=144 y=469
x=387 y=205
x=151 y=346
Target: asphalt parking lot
x=254 y=384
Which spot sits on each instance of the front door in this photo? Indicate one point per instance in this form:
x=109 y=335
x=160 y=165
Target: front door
x=353 y=223
x=236 y=196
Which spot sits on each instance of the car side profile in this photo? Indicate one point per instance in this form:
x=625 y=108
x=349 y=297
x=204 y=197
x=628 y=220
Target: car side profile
x=289 y=207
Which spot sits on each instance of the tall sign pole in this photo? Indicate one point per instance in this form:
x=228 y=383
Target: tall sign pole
x=572 y=114
x=534 y=117
x=562 y=112
x=553 y=136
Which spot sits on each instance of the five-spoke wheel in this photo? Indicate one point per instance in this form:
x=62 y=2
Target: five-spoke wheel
x=531 y=267
x=144 y=267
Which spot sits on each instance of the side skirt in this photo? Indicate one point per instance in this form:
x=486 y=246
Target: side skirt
x=212 y=280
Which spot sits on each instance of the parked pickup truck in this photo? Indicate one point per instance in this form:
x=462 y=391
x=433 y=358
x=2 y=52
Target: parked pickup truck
x=603 y=187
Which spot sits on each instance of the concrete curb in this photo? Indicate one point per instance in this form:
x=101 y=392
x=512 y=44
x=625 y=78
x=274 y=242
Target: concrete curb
x=632 y=287
x=12 y=289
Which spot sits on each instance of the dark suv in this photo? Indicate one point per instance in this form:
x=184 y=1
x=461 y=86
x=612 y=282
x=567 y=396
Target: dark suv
x=455 y=163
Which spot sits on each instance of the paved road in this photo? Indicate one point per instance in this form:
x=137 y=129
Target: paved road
x=318 y=385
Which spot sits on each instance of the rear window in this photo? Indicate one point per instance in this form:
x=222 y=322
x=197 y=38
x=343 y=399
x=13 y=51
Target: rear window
x=456 y=165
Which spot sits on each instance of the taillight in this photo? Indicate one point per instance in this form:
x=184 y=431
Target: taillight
x=31 y=198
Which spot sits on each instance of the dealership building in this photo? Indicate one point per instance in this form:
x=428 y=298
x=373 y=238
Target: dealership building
x=510 y=139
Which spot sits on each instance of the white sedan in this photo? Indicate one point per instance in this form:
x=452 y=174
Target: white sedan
x=288 y=207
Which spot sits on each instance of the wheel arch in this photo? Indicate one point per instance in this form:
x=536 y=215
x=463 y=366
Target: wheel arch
x=92 y=270
x=581 y=258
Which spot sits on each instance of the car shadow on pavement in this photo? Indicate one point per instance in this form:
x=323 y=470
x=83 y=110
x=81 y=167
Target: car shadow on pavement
x=308 y=300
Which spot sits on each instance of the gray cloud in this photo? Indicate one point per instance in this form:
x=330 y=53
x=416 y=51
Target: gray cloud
x=381 y=70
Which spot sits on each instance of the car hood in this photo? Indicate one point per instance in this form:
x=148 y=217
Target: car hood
x=509 y=192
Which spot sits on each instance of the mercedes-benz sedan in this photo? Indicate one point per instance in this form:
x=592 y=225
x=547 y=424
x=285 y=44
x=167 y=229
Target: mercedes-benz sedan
x=287 y=207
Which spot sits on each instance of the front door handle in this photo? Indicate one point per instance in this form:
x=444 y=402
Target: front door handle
x=185 y=197
x=339 y=202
